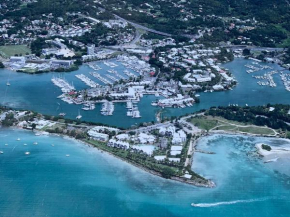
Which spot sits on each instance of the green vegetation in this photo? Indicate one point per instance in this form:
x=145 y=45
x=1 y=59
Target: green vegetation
x=256 y=115
x=266 y=147
x=1 y=65
x=12 y=50
x=256 y=130
x=217 y=123
x=205 y=123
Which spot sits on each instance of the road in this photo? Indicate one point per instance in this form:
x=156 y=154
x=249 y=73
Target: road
x=254 y=48
x=151 y=127
x=137 y=26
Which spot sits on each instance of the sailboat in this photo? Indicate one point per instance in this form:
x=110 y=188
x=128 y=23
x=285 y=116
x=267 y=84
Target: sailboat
x=62 y=114
x=79 y=116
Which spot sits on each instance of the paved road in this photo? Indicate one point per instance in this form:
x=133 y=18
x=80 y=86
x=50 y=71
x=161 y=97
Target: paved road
x=138 y=26
x=149 y=128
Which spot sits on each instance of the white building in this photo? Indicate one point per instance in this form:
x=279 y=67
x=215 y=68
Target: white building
x=91 y=49
x=98 y=136
x=179 y=137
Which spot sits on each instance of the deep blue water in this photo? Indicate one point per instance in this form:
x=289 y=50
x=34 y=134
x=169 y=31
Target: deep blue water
x=36 y=92
x=91 y=183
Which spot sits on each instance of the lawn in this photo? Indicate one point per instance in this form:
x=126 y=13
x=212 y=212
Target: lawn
x=11 y=50
x=256 y=130
x=218 y=123
x=204 y=123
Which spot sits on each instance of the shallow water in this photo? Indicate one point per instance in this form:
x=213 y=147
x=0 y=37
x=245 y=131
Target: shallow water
x=36 y=92
x=91 y=183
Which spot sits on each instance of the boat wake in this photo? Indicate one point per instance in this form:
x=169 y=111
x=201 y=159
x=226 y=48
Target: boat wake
x=229 y=202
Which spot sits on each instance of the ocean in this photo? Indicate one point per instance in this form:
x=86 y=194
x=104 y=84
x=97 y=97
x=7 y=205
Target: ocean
x=63 y=177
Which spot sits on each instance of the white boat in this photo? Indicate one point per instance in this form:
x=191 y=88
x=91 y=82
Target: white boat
x=1 y=152
x=79 y=116
x=67 y=155
x=18 y=139
x=8 y=84
x=27 y=153
x=25 y=144
x=6 y=144
x=35 y=143
x=62 y=114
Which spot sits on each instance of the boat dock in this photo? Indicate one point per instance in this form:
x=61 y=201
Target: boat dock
x=107 y=108
x=110 y=64
x=268 y=77
x=87 y=80
x=129 y=74
x=121 y=76
x=112 y=78
x=102 y=79
x=133 y=110
x=94 y=67
x=63 y=84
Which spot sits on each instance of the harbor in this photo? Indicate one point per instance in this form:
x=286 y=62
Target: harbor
x=40 y=94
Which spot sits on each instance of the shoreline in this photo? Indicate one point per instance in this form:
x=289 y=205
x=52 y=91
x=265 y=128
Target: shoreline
x=210 y=184
x=242 y=134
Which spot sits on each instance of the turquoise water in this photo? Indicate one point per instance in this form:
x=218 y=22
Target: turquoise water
x=36 y=92
x=91 y=183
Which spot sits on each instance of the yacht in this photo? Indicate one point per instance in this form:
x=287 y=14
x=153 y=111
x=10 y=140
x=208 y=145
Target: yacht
x=62 y=114
x=8 y=84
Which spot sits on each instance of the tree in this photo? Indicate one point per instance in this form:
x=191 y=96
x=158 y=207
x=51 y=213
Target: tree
x=2 y=65
x=246 y=52
x=167 y=172
x=33 y=126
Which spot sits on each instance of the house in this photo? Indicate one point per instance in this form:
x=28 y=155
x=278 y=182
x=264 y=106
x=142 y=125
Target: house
x=118 y=144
